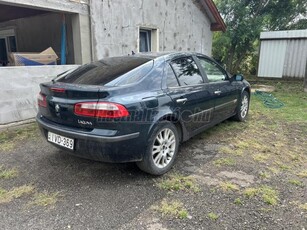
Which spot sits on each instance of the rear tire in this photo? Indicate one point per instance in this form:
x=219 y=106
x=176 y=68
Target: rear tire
x=243 y=107
x=161 y=149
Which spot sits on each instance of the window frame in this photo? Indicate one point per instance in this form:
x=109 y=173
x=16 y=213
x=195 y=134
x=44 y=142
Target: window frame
x=210 y=60
x=6 y=33
x=152 y=37
x=168 y=64
x=147 y=38
x=197 y=64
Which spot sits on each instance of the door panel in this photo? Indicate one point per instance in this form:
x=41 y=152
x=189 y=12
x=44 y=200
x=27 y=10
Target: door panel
x=225 y=99
x=225 y=92
x=194 y=105
x=190 y=95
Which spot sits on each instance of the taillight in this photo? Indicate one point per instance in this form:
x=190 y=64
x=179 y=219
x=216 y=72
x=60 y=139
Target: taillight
x=58 y=90
x=41 y=100
x=101 y=110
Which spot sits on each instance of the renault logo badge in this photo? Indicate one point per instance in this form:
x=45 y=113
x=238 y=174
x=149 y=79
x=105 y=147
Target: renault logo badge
x=57 y=108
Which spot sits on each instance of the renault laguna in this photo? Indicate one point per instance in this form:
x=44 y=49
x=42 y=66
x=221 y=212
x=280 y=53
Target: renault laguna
x=139 y=108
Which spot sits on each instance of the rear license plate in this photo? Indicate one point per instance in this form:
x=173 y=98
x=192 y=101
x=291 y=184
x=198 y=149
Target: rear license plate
x=61 y=140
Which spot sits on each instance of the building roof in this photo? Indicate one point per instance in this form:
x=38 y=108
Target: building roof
x=217 y=22
x=283 y=34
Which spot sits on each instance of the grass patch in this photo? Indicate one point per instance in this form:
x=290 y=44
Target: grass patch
x=9 y=138
x=172 y=209
x=261 y=157
x=8 y=173
x=7 y=196
x=45 y=199
x=296 y=183
x=213 y=216
x=228 y=186
x=178 y=182
x=268 y=194
x=224 y=162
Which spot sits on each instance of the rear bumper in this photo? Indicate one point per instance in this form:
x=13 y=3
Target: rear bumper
x=101 y=145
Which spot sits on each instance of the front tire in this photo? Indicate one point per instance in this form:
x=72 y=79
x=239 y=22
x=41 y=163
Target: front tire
x=243 y=107
x=161 y=149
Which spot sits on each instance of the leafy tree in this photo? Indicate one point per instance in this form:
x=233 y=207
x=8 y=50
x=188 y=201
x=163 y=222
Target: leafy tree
x=245 y=19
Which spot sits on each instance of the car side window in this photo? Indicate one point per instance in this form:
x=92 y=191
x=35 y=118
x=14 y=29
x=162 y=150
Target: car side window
x=171 y=80
x=213 y=71
x=187 y=71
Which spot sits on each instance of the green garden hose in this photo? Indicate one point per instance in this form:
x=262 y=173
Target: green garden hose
x=269 y=100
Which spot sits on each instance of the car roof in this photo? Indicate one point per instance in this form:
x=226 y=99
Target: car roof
x=166 y=55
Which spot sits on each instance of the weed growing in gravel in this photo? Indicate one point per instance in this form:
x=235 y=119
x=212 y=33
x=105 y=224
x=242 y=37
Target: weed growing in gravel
x=7 y=196
x=296 y=183
x=178 y=182
x=303 y=206
x=268 y=194
x=264 y=175
x=283 y=166
x=172 y=208
x=224 y=161
x=273 y=170
x=7 y=146
x=213 y=216
x=44 y=199
x=228 y=150
x=238 y=201
x=228 y=186
x=302 y=174
x=250 y=192
x=7 y=173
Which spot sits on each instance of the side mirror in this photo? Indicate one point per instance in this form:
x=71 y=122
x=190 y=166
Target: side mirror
x=237 y=77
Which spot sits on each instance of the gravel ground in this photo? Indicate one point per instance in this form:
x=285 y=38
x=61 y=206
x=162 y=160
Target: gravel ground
x=94 y=195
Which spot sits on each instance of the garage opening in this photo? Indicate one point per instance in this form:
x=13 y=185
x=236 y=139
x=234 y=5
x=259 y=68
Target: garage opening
x=32 y=30
x=26 y=31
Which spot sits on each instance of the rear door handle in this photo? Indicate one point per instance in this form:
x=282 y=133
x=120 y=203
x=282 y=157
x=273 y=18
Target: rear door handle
x=182 y=100
x=217 y=92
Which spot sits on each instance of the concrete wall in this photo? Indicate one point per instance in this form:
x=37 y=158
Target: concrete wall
x=19 y=89
x=115 y=26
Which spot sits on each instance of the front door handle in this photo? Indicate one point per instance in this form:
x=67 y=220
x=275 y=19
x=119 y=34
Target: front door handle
x=182 y=100
x=217 y=92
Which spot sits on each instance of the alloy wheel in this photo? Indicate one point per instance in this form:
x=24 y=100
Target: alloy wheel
x=244 y=106
x=164 y=148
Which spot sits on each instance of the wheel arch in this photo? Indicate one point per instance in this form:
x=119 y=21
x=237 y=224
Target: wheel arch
x=173 y=119
x=247 y=89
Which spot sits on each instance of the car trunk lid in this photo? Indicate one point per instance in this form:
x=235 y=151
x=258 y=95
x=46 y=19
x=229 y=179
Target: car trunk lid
x=61 y=99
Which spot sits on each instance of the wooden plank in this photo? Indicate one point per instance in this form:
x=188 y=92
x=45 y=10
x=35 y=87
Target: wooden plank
x=52 y=5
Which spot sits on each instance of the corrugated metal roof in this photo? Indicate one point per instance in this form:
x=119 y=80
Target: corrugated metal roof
x=283 y=34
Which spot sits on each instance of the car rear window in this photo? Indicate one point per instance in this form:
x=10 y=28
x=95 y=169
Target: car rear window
x=116 y=71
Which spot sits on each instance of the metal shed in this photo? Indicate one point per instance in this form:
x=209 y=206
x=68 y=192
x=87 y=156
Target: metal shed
x=283 y=54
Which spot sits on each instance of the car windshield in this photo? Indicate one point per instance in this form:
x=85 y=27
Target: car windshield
x=116 y=71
